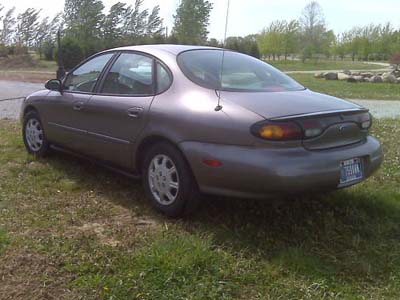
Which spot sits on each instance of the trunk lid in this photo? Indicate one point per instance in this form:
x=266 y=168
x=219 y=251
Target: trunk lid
x=281 y=104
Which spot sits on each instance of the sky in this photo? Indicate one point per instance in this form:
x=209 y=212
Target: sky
x=251 y=16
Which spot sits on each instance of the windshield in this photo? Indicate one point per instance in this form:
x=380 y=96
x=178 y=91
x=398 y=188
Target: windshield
x=240 y=72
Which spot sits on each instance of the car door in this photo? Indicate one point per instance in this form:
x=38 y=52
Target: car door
x=66 y=111
x=119 y=110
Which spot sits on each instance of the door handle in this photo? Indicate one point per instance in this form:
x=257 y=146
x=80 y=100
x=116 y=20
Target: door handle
x=78 y=106
x=135 y=112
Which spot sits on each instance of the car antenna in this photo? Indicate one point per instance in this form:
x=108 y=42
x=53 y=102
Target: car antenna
x=219 y=106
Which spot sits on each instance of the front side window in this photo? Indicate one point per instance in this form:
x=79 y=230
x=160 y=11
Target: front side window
x=131 y=74
x=84 y=78
x=239 y=72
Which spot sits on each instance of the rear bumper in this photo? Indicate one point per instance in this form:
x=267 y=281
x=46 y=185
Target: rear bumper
x=260 y=172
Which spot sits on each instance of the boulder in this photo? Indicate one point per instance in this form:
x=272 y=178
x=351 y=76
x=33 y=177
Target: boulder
x=343 y=76
x=352 y=80
x=347 y=72
x=355 y=79
x=376 y=79
x=398 y=80
x=319 y=75
x=389 y=78
x=331 y=76
x=367 y=74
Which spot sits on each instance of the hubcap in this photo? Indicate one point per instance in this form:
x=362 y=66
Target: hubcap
x=163 y=179
x=34 y=135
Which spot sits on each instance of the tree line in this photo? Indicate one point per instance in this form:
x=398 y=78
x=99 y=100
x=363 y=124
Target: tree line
x=86 y=28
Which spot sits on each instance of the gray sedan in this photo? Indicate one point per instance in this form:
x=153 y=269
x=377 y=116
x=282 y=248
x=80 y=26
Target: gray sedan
x=198 y=120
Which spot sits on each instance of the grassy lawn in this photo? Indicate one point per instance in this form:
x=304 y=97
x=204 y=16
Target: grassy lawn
x=76 y=231
x=364 y=90
x=312 y=65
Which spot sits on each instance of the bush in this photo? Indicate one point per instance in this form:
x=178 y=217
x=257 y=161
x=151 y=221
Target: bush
x=48 y=49
x=395 y=59
x=72 y=52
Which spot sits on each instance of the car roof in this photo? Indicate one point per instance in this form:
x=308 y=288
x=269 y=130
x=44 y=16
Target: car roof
x=171 y=49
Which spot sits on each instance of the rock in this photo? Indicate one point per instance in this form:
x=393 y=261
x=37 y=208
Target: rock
x=389 y=78
x=347 y=72
x=319 y=75
x=331 y=76
x=376 y=79
x=343 y=76
x=398 y=80
x=355 y=79
x=367 y=75
x=352 y=80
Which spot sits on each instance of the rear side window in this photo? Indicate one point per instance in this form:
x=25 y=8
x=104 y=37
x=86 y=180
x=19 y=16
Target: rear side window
x=238 y=73
x=163 y=79
x=84 y=78
x=131 y=74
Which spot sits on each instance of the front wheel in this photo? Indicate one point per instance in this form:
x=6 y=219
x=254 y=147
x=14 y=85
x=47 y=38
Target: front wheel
x=33 y=134
x=168 y=181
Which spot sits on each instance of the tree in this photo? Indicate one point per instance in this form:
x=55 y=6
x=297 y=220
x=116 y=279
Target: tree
x=9 y=21
x=84 y=20
x=27 y=26
x=313 y=27
x=113 y=25
x=191 y=21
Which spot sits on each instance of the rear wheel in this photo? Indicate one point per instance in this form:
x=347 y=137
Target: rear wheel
x=168 y=181
x=33 y=134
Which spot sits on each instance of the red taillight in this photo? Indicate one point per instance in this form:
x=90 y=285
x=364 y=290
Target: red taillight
x=277 y=131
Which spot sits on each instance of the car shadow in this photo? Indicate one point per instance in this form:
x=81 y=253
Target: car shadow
x=350 y=234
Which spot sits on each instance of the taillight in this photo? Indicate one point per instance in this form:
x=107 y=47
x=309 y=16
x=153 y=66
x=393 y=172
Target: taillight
x=277 y=131
x=312 y=128
x=365 y=120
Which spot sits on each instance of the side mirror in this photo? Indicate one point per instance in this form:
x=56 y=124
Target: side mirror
x=54 y=85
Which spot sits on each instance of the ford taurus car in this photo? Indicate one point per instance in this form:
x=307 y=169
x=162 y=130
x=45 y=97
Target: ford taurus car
x=195 y=120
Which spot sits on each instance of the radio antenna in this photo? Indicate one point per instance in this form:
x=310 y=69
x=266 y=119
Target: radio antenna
x=219 y=106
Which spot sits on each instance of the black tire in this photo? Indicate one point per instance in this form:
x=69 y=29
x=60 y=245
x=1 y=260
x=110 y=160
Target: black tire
x=44 y=147
x=187 y=196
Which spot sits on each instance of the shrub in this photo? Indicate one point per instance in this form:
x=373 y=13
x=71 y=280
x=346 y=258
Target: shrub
x=72 y=52
x=48 y=49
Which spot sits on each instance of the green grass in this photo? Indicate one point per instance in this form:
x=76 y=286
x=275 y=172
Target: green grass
x=77 y=231
x=315 y=65
x=342 y=89
x=3 y=240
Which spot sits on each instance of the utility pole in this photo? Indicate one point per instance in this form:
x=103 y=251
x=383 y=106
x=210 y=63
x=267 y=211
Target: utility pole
x=60 y=63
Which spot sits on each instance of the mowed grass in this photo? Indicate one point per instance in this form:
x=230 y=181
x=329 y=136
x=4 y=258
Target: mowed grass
x=343 y=89
x=315 y=65
x=76 y=231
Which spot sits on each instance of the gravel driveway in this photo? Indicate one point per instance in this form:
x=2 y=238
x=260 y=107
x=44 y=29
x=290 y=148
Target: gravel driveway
x=13 y=89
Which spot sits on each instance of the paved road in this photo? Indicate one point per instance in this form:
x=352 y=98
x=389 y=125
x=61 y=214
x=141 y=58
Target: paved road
x=12 y=89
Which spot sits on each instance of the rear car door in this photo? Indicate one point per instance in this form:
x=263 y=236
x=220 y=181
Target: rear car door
x=118 y=112
x=66 y=114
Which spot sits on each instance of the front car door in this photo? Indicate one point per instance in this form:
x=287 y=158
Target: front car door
x=66 y=111
x=118 y=112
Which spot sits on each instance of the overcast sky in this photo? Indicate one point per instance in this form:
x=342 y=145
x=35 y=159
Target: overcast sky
x=250 y=16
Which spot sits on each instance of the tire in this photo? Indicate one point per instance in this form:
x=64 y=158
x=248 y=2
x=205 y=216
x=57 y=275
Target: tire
x=180 y=184
x=34 y=136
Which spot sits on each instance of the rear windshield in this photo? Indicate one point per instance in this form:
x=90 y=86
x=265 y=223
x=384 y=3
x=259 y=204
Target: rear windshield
x=239 y=73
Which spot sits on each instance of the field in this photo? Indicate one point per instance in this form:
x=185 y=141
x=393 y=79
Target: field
x=364 y=90
x=313 y=65
x=71 y=230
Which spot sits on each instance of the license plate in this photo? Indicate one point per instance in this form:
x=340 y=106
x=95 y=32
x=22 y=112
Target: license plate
x=351 y=170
